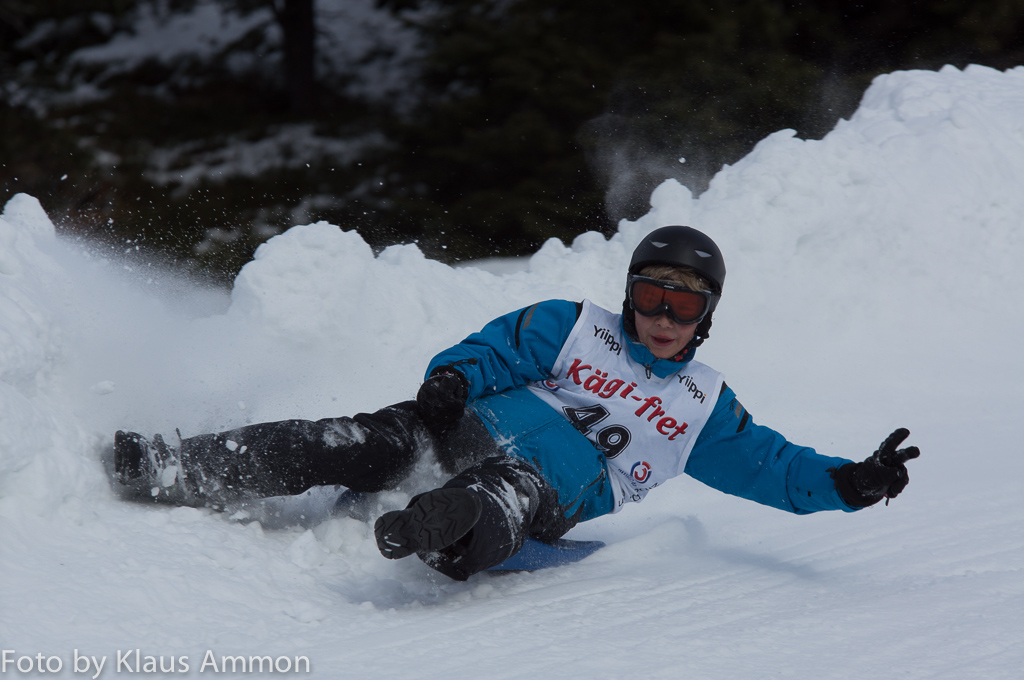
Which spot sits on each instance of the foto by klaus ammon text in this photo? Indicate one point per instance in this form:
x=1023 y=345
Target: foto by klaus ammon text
x=136 y=661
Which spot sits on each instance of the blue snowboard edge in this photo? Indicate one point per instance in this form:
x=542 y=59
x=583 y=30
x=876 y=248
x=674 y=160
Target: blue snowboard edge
x=538 y=555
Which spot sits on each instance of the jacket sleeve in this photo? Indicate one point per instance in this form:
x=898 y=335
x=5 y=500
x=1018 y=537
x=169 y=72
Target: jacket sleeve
x=737 y=456
x=514 y=349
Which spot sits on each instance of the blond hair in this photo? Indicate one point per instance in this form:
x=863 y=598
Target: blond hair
x=687 y=277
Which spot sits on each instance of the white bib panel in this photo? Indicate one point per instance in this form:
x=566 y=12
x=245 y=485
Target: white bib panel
x=645 y=426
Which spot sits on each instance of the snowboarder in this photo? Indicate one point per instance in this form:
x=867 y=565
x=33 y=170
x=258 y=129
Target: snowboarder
x=550 y=416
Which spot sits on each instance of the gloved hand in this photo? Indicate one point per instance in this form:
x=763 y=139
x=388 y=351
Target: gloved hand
x=441 y=400
x=883 y=475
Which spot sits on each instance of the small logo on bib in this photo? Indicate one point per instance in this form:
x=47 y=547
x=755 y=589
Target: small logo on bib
x=641 y=471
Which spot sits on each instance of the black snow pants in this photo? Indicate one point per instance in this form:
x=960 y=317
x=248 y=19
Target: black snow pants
x=372 y=452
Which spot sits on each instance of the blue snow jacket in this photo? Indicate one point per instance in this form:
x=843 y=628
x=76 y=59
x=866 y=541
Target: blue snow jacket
x=731 y=454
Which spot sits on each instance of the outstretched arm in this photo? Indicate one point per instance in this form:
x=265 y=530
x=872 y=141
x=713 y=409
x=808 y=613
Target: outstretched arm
x=735 y=455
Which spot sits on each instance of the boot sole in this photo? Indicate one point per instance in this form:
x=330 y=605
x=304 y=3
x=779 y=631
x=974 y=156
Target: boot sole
x=434 y=521
x=128 y=456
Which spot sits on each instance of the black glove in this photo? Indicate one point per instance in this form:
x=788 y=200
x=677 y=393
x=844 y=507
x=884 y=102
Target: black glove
x=442 y=398
x=883 y=475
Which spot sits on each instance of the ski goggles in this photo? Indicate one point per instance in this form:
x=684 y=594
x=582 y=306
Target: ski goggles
x=651 y=297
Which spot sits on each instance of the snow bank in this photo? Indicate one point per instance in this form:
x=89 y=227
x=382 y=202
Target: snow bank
x=873 y=282
x=881 y=254
x=40 y=451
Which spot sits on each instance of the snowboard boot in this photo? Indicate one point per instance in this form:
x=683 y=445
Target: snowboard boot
x=432 y=521
x=149 y=470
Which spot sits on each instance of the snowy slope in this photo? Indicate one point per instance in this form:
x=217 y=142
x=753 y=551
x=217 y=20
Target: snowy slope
x=873 y=283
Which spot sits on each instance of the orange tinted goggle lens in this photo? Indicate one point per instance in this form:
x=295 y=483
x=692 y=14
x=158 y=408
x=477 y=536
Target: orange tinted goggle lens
x=684 y=305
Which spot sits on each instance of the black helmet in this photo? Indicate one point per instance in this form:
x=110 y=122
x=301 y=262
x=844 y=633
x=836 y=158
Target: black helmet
x=684 y=247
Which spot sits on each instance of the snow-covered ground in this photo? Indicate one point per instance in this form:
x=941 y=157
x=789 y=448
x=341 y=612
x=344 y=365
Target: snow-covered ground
x=874 y=282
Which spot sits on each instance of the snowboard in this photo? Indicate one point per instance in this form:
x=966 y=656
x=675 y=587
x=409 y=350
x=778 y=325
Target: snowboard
x=538 y=555
x=534 y=554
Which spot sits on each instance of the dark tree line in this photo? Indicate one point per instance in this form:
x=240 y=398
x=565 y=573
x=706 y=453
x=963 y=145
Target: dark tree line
x=527 y=118
x=298 y=27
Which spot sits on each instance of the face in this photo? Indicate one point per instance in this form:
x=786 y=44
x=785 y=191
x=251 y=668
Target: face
x=664 y=337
